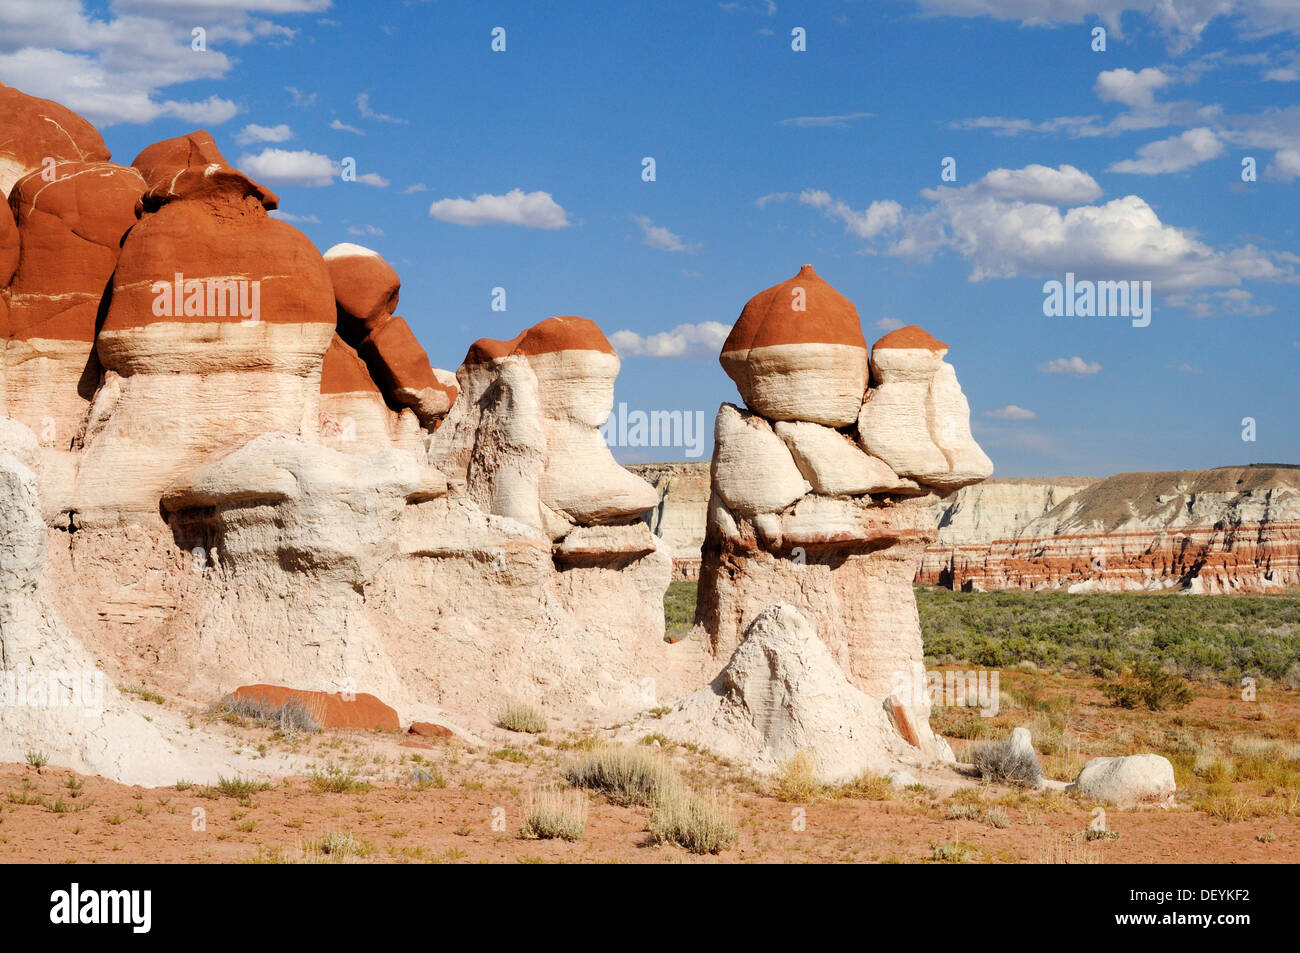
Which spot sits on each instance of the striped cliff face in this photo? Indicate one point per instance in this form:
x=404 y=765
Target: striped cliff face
x=1232 y=529
x=190 y=367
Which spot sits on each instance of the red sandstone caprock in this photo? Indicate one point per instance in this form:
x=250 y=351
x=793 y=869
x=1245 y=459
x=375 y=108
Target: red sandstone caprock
x=366 y=291
x=8 y=244
x=37 y=129
x=331 y=710
x=797 y=353
x=562 y=333
x=192 y=167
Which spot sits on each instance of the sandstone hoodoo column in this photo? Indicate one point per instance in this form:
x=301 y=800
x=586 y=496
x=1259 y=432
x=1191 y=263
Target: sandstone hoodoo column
x=822 y=487
x=60 y=234
x=69 y=231
x=219 y=318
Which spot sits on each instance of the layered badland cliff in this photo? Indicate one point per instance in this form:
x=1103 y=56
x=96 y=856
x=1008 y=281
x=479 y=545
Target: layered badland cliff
x=1231 y=529
x=228 y=464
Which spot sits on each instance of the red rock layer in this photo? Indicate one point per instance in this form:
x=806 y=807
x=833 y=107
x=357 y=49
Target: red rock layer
x=1246 y=557
x=366 y=292
x=192 y=167
x=220 y=238
x=330 y=709
x=70 y=230
x=35 y=129
x=343 y=372
x=8 y=244
x=563 y=333
x=911 y=336
x=768 y=319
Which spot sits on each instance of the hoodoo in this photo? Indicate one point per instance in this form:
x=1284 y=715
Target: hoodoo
x=803 y=514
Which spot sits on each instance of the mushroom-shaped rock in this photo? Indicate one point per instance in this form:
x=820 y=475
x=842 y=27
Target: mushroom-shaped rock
x=366 y=290
x=70 y=230
x=561 y=374
x=915 y=417
x=893 y=424
x=219 y=320
x=753 y=471
x=38 y=129
x=949 y=416
x=835 y=465
x=797 y=353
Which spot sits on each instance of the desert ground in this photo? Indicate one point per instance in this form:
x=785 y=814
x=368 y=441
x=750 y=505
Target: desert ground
x=384 y=797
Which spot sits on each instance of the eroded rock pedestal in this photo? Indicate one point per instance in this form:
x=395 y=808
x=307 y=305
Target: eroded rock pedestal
x=828 y=511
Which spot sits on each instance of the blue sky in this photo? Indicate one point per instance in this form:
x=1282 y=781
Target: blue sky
x=1122 y=164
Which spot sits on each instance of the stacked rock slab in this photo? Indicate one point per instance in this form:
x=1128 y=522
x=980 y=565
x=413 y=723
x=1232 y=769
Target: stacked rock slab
x=366 y=289
x=809 y=509
x=218 y=322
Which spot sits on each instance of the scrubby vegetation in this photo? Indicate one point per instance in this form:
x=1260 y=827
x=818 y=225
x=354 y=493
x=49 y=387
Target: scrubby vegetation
x=643 y=776
x=1150 y=686
x=1103 y=634
x=519 y=716
x=1002 y=761
x=626 y=776
x=679 y=610
x=698 y=823
x=290 y=719
x=553 y=812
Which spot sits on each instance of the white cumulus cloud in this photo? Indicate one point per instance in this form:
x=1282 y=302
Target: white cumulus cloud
x=290 y=167
x=1173 y=154
x=1074 y=366
x=1011 y=412
x=656 y=236
x=255 y=133
x=516 y=207
x=686 y=340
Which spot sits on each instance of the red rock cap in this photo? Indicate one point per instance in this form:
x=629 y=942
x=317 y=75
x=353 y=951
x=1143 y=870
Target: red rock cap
x=564 y=333
x=70 y=233
x=192 y=167
x=768 y=318
x=8 y=244
x=343 y=372
x=365 y=286
x=910 y=337
x=35 y=129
